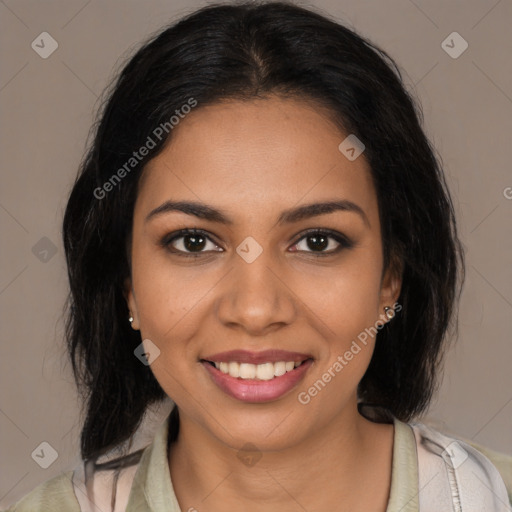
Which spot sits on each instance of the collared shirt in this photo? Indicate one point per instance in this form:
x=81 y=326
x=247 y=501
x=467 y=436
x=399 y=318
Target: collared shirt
x=429 y=474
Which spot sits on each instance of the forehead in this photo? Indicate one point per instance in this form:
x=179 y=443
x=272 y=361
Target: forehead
x=259 y=154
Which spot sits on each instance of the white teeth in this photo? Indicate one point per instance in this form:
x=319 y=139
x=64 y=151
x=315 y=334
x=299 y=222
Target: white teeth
x=247 y=371
x=265 y=371
x=279 y=368
x=234 y=369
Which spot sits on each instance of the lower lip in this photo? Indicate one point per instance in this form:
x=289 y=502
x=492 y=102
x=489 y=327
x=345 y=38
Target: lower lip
x=254 y=390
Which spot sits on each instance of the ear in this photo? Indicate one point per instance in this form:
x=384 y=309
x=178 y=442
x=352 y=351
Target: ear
x=390 y=286
x=130 y=301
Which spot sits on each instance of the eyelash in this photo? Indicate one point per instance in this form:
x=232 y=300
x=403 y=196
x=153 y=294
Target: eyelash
x=342 y=240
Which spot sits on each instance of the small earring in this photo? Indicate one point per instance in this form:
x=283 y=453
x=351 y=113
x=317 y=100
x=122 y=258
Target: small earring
x=130 y=319
x=389 y=312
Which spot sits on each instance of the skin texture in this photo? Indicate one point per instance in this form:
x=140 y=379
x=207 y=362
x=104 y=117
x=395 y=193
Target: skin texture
x=253 y=160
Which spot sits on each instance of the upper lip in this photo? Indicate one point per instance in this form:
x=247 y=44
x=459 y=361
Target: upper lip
x=264 y=356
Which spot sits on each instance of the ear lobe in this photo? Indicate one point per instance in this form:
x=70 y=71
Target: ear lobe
x=130 y=301
x=391 y=283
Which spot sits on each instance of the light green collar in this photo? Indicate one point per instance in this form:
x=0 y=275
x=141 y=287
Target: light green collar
x=403 y=496
x=152 y=489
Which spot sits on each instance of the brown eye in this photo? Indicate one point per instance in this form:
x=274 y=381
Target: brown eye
x=188 y=242
x=317 y=241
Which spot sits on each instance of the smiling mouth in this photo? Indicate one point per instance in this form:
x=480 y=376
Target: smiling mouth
x=264 y=371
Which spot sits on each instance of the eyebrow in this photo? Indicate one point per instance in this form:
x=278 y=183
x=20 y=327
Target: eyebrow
x=307 y=211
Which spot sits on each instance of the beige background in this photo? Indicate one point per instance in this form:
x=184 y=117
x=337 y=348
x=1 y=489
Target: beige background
x=46 y=110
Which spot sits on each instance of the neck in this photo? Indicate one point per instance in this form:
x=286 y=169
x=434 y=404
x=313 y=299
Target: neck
x=207 y=473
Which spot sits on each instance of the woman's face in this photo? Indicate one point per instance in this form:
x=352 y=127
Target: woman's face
x=253 y=280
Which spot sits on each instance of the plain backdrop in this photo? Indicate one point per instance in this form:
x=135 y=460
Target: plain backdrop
x=47 y=107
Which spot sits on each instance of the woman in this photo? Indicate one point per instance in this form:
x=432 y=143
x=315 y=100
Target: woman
x=262 y=233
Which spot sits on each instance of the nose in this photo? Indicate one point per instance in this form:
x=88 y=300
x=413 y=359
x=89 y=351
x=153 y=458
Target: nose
x=256 y=297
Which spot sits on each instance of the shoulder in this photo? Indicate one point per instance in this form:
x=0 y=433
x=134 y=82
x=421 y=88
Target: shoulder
x=451 y=470
x=102 y=484
x=89 y=487
x=56 y=494
x=106 y=486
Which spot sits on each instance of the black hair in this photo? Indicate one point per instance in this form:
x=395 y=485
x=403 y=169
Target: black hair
x=245 y=51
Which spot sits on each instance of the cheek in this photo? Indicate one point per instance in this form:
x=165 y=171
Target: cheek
x=347 y=298
x=349 y=306
x=162 y=299
x=164 y=291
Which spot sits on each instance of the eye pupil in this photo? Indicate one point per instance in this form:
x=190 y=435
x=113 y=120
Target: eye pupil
x=320 y=242
x=191 y=242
